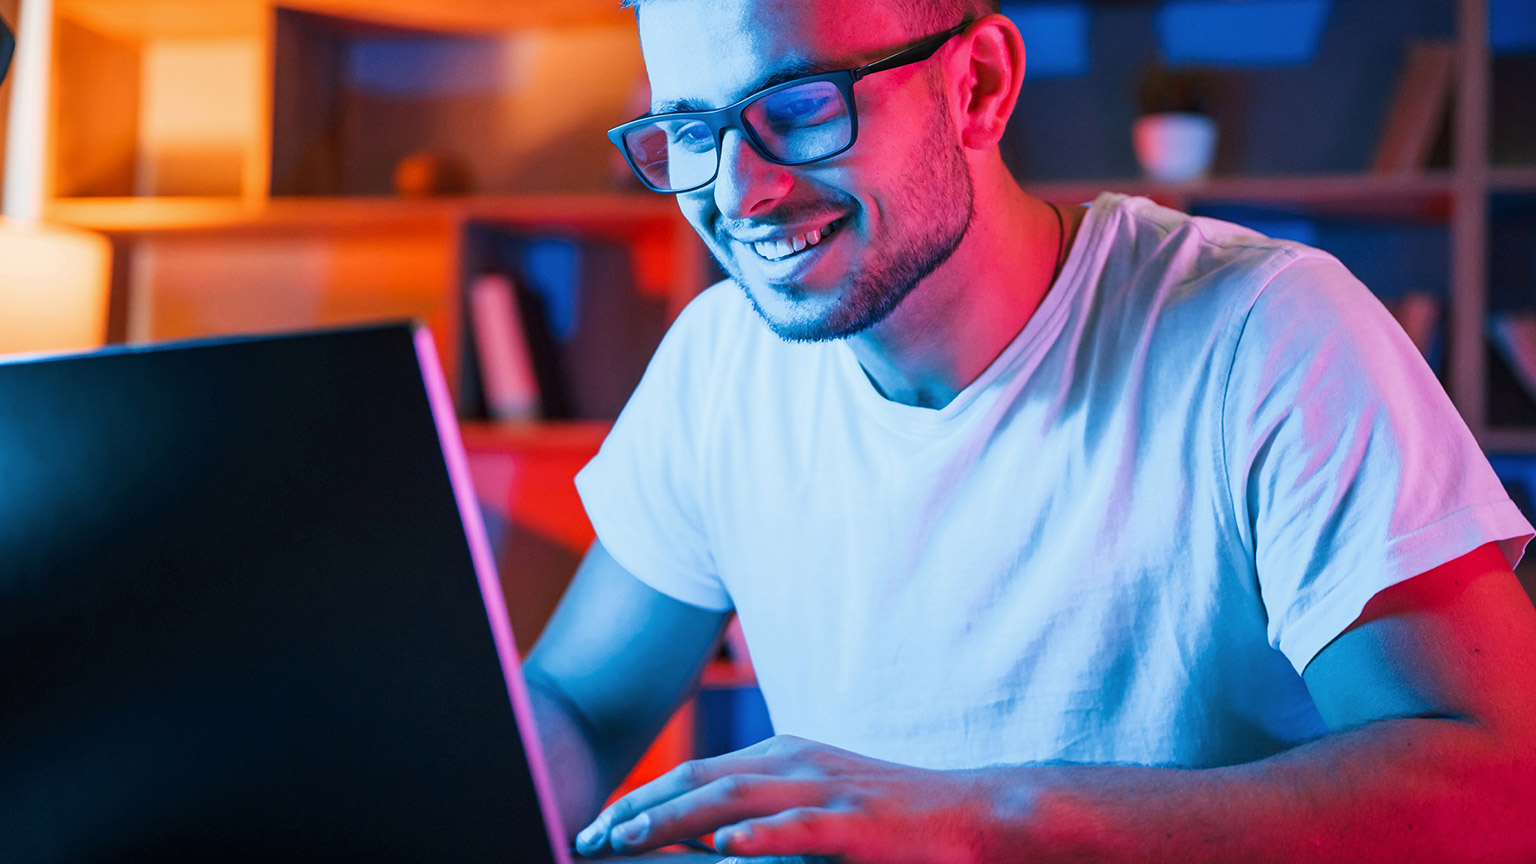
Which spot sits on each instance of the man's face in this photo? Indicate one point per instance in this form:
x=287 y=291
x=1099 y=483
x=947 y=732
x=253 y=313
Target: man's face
x=890 y=210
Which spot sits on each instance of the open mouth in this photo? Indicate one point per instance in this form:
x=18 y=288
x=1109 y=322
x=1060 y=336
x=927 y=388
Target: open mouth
x=779 y=250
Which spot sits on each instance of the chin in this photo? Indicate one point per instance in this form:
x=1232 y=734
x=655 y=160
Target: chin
x=805 y=320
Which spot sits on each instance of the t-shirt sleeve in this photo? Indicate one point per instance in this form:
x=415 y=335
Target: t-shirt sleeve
x=1349 y=467
x=642 y=490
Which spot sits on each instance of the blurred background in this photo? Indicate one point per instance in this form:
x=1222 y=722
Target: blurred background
x=189 y=168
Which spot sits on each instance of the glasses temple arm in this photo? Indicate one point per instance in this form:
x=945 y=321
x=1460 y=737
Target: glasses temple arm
x=916 y=54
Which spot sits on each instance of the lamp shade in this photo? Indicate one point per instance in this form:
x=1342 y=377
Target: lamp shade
x=54 y=283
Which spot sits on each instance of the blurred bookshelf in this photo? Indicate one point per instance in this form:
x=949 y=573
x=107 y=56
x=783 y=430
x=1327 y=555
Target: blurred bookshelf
x=244 y=156
x=1302 y=149
x=300 y=109
x=1424 y=196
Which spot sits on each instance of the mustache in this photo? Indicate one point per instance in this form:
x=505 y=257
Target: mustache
x=788 y=214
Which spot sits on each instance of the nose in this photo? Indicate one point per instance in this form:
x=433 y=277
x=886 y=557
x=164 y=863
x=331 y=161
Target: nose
x=747 y=184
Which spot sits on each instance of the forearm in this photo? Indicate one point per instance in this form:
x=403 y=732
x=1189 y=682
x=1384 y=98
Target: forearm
x=579 y=775
x=1410 y=789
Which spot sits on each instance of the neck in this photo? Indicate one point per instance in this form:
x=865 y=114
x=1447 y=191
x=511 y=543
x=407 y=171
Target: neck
x=956 y=323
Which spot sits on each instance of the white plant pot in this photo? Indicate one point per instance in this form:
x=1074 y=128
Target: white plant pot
x=1174 y=147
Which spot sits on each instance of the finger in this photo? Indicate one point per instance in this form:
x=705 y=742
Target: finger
x=794 y=859
x=725 y=801
x=684 y=778
x=796 y=831
x=593 y=839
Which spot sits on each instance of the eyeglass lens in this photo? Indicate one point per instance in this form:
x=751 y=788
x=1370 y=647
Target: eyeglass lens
x=797 y=124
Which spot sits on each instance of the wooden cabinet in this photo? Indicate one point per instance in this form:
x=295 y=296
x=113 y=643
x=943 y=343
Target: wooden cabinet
x=241 y=154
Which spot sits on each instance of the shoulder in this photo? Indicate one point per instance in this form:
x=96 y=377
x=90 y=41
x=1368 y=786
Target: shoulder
x=1175 y=247
x=1238 y=276
x=1192 y=274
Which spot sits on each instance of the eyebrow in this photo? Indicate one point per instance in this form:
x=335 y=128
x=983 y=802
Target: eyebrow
x=788 y=72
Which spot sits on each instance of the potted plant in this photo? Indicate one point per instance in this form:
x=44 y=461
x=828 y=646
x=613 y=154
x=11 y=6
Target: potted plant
x=1174 y=138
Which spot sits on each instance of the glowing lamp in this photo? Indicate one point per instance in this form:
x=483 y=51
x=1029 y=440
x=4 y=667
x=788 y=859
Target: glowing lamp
x=53 y=287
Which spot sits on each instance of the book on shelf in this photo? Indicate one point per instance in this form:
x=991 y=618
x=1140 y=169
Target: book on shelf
x=568 y=333
x=1514 y=337
x=507 y=378
x=1419 y=109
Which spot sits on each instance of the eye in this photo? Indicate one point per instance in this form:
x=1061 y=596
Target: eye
x=691 y=135
x=796 y=111
x=799 y=107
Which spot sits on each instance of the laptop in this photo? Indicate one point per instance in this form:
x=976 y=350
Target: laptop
x=248 y=613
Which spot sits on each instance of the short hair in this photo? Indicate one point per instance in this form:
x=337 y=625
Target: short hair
x=936 y=16
x=930 y=16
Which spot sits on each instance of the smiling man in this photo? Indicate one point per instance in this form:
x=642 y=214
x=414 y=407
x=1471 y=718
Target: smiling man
x=1102 y=533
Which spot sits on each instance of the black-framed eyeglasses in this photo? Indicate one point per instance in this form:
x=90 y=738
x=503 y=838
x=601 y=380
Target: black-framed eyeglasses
x=794 y=123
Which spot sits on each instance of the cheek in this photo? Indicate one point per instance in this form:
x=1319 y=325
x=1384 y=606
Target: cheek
x=700 y=212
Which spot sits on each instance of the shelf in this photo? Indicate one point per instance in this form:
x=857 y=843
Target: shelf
x=471 y=15
x=574 y=437
x=186 y=215
x=582 y=210
x=121 y=216
x=1512 y=179
x=169 y=19
x=1508 y=441
x=1405 y=196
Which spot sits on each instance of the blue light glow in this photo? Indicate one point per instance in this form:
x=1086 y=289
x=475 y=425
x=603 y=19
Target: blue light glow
x=1512 y=26
x=1281 y=228
x=1250 y=33
x=428 y=66
x=1055 y=38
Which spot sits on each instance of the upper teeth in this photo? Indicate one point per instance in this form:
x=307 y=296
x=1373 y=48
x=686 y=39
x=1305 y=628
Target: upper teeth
x=773 y=250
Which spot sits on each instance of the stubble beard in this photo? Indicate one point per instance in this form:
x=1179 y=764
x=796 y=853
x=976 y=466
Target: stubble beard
x=939 y=195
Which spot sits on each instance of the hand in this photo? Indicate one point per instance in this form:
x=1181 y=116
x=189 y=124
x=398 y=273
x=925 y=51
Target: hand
x=789 y=797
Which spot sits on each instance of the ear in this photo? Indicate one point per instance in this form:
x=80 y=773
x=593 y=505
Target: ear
x=989 y=68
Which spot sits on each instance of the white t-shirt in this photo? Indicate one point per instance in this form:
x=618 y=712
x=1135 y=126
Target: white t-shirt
x=1122 y=543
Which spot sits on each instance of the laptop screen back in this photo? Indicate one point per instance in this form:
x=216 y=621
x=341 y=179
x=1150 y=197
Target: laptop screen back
x=239 y=620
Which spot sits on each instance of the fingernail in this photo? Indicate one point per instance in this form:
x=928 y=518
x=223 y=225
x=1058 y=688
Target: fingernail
x=588 y=835
x=634 y=830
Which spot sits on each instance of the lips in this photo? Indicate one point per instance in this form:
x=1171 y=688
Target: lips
x=786 y=247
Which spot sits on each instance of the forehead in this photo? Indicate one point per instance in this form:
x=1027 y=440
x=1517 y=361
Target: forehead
x=716 y=51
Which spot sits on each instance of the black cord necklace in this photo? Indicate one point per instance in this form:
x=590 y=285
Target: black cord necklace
x=1061 y=242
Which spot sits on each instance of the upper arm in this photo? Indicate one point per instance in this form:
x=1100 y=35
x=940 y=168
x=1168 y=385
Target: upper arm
x=1457 y=642
x=622 y=654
